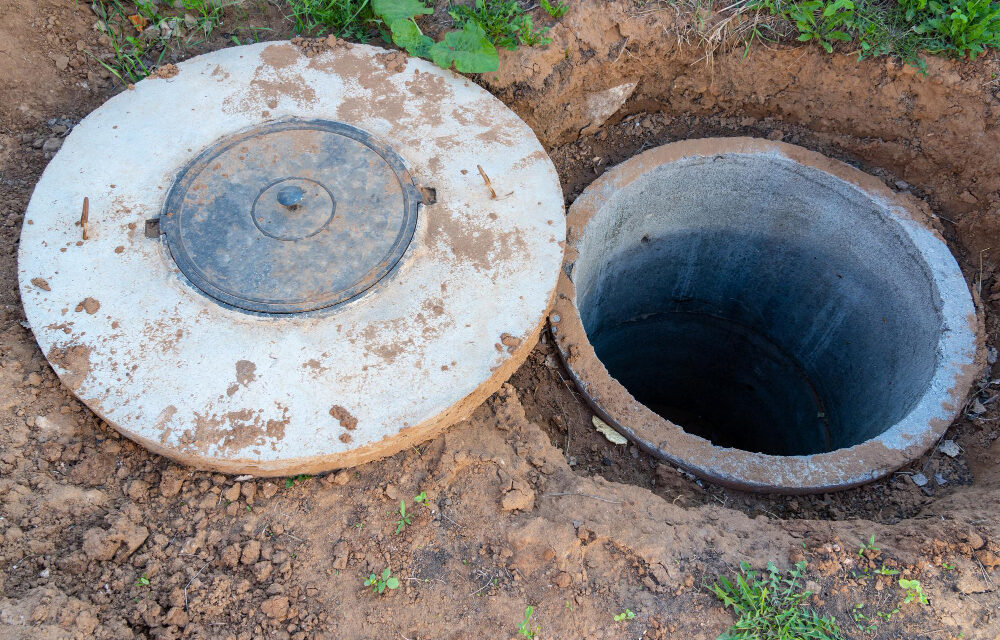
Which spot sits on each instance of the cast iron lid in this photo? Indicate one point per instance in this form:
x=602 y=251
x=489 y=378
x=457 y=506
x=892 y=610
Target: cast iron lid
x=290 y=216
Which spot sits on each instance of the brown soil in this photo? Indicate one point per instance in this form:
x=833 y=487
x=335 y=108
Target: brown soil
x=528 y=505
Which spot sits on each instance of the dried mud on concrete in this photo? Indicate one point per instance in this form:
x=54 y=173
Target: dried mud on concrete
x=527 y=504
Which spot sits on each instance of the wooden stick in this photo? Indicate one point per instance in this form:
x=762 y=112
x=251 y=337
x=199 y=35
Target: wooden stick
x=486 y=179
x=84 y=216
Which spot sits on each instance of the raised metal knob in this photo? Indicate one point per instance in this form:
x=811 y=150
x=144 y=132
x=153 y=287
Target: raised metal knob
x=291 y=196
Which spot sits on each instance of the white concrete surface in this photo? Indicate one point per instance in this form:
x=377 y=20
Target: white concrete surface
x=221 y=389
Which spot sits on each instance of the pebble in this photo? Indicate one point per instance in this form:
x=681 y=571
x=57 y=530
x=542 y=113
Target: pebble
x=269 y=489
x=949 y=448
x=232 y=493
x=975 y=540
x=919 y=479
x=52 y=145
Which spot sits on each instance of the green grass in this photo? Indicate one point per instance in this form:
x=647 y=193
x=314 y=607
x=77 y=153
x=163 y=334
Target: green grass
x=770 y=606
x=907 y=29
x=349 y=19
x=141 y=33
x=504 y=21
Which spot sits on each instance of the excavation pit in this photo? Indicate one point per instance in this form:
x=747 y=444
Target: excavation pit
x=763 y=316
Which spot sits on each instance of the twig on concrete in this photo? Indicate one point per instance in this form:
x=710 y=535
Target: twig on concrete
x=85 y=216
x=486 y=179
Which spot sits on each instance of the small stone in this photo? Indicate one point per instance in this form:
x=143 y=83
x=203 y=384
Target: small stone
x=391 y=492
x=919 y=479
x=231 y=555
x=341 y=478
x=269 y=489
x=988 y=558
x=232 y=493
x=520 y=498
x=62 y=62
x=52 y=145
x=341 y=554
x=940 y=479
x=176 y=616
x=34 y=379
x=251 y=552
x=562 y=580
x=171 y=481
x=975 y=540
x=276 y=607
x=262 y=571
x=949 y=448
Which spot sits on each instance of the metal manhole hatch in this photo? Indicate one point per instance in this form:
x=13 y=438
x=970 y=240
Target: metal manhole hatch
x=291 y=216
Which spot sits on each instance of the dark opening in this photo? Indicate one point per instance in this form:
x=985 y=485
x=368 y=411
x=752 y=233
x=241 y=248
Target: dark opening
x=753 y=313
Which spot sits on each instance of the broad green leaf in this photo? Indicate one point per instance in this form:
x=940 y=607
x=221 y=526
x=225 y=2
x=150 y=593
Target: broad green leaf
x=406 y=34
x=393 y=10
x=469 y=50
x=392 y=583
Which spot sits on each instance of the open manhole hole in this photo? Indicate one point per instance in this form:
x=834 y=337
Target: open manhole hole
x=764 y=316
x=292 y=264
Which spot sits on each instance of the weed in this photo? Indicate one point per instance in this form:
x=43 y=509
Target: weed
x=624 y=615
x=770 y=606
x=302 y=477
x=379 y=583
x=342 y=18
x=557 y=10
x=503 y=21
x=143 y=581
x=960 y=26
x=404 y=519
x=913 y=591
x=130 y=60
x=469 y=50
x=421 y=498
x=869 y=546
x=139 y=34
x=947 y=567
x=903 y=28
x=887 y=572
x=524 y=628
x=869 y=624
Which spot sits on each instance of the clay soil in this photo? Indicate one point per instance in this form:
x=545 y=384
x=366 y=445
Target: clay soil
x=527 y=504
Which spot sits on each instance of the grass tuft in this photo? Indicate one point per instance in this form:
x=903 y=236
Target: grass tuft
x=349 y=19
x=770 y=606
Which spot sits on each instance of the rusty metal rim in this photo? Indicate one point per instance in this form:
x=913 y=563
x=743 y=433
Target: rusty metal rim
x=734 y=468
x=192 y=276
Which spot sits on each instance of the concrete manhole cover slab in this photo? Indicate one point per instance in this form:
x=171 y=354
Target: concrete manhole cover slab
x=292 y=263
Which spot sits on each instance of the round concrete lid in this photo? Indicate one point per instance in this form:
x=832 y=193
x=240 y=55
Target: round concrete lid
x=194 y=376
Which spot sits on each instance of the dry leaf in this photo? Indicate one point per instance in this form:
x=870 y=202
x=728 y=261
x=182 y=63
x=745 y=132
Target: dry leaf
x=613 y=436
x=138 y=21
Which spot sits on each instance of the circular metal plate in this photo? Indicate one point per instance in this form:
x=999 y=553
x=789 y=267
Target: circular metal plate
x=216 y=386
x=291 y=216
